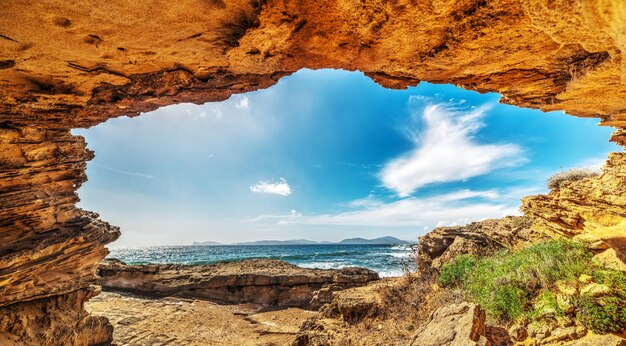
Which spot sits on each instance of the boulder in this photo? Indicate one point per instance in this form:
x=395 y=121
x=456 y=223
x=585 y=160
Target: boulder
x=453 y=325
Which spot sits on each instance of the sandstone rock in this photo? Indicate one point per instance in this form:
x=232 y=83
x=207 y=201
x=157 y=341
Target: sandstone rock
x=564 y=334
x=323 y=296
x=567 y=288
x=518 y=333
x=179 y=321
x=267 y=282
x=56 y=320
x=591 y=241
x=458 y=324
x=384 y=312
x=353 y=306
x=589 y=208
x=596 y=340
x=595 y=290
x=610 y=259
x=443 y=244
x=65 y=65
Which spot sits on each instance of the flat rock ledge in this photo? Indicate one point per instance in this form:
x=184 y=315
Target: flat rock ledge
x=257 y=281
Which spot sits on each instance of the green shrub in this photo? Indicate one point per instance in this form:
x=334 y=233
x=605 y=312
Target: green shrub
x=574 y=174
x=613 y=278
x=602 y=315
x=521 y=284
x=456 y=272
x=505 y=284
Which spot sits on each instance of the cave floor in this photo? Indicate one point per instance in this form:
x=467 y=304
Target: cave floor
x=177 y=321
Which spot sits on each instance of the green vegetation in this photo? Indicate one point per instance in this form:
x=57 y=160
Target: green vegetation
x=612 y=278
x=574 y=174
x=453 y=275
x=602 y=315
x=522 y=284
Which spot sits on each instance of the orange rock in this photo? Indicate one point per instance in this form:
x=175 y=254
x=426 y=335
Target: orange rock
x=75 y=64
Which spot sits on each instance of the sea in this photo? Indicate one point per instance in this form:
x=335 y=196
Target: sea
x=387 y=260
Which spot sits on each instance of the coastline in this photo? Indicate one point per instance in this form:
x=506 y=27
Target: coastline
x=388 y=260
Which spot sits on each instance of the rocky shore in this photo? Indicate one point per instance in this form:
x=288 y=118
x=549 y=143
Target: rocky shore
x=257 y=281
x=180 y=321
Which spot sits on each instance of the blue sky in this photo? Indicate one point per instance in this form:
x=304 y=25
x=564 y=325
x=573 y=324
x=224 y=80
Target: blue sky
x=326 y=155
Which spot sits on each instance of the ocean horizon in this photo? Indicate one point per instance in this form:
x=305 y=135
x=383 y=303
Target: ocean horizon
x=386 y=260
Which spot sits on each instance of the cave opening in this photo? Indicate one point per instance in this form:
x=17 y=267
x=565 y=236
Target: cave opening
x=74 y=65
x=324 y=155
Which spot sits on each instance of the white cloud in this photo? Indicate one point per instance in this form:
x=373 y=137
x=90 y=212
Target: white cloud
x=280 y=188
x=447 y=151
x=455 y=208
x=243 y=103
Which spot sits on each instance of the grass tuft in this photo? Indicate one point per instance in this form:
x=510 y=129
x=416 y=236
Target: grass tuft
x=454 y=275
x=575 y=174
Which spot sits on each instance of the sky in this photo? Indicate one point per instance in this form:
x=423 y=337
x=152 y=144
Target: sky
x=327 y=155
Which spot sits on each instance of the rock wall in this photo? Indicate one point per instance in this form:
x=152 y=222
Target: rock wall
x=65 y=65
x=56 y=320
x=591 y=210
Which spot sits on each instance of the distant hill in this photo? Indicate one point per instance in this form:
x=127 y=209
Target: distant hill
x=350 y=241
x=375 y=241
x=199 y=243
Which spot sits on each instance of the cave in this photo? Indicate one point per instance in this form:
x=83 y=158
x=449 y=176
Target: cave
x=66 y=66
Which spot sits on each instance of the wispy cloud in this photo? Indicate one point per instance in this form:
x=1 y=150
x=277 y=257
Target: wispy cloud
x=446 y=150
x=280 y=188
x=132 y=174
x=243 y=103
x=454 y=208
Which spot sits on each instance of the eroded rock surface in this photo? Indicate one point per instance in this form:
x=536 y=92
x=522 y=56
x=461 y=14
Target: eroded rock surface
x=266 y=282
x=443 y=244
x=66 y=64
x=453 y=325
x=56 y=320
x=592 y=210
x=180 y=321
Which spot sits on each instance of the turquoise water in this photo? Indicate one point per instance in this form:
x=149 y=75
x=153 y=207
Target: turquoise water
x=387 y=260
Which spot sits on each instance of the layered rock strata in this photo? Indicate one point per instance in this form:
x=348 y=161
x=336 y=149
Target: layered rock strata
x=56 y=320
x=65 y=65
x=266 y=282
x=591 y=210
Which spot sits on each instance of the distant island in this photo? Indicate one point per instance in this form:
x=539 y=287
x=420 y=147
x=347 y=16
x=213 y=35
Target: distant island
x=350 y=241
